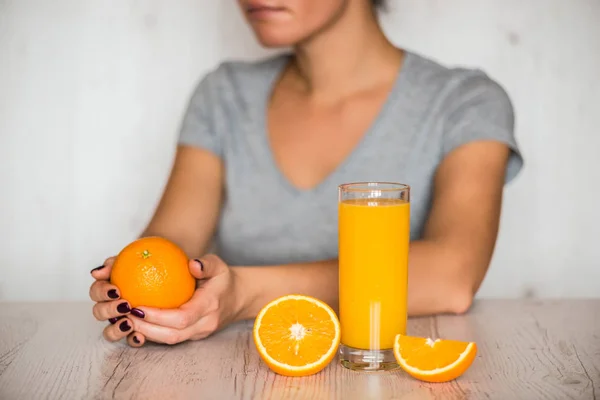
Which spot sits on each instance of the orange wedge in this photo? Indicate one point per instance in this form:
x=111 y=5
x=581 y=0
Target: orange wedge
x=297 y=335
x=433 y=360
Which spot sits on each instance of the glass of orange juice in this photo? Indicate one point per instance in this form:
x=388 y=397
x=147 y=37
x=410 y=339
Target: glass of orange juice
x=374 y=231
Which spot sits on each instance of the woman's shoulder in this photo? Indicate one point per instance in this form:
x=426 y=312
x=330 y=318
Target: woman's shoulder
x=245 y=74
x=468 y=104
x=455 y=83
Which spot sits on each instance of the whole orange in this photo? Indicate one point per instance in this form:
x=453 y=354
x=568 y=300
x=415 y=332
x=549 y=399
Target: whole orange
x=153 y=272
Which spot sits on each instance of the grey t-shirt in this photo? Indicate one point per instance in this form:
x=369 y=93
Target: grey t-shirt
x=265 y=220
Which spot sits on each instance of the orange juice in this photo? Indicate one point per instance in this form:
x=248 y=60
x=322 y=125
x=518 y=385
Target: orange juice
x=373 y=268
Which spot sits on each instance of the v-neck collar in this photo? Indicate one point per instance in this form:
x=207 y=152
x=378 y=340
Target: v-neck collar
x=261 y=116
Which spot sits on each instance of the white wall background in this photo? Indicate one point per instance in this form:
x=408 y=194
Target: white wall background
x=92 y=92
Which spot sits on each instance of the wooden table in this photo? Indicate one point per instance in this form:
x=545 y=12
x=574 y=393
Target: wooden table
x=527 y=350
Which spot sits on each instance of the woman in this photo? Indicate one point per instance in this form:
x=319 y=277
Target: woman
x=264 y=145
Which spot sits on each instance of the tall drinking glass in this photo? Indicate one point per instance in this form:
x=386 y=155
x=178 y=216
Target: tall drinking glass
x=374 y=231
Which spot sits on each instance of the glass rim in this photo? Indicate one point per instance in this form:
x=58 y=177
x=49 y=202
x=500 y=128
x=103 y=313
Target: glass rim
x=370 y=186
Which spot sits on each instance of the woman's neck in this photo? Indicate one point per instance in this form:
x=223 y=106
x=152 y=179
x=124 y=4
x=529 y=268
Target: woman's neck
x=351 y=55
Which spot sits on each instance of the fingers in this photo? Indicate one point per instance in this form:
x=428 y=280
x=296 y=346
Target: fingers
x=162 y=334
x=116 y=332
x=136 y=339
x=207 y=267
x=159 y=334
x=104 y=291
x=180 y=318
x=115 y=319
x=194 y=320
x=197 y=268
x=103 y=271
x=138 y=331
x=110 y=309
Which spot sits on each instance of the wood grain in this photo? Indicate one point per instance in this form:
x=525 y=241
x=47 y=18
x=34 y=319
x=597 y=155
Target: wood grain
x=527 y=350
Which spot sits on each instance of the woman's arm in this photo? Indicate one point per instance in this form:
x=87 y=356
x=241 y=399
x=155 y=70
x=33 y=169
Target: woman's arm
x=187 y=215
x=446 y=267
x=189 y=208
x=449 y=264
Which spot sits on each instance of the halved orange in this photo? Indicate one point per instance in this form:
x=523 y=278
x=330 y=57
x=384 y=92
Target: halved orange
x=433 y=360
x=297 y=335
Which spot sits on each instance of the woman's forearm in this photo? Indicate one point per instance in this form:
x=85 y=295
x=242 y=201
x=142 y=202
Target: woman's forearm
x=189 y=209
x=437 y=282
x=260 y=285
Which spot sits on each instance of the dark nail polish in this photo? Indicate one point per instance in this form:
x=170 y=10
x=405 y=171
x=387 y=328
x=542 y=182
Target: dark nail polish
x=201 y=264
x=123 y=308
x=136 y=340
x=97 y=268
x=112 y=293
x=124 y=327
x=137 y=312
x=115 y=319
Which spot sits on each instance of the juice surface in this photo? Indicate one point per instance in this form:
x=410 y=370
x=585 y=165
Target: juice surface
x=373 y=267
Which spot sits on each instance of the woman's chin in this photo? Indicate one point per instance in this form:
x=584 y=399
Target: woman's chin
x=276 y=41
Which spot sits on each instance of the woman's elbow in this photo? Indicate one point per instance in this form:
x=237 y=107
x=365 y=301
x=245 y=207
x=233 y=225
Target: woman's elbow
x=463 y=288
x=462 y=300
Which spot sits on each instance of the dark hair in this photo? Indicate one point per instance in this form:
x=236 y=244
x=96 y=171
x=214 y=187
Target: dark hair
x=379 y=4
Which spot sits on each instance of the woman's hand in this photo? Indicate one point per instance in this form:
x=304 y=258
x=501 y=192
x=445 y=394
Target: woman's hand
x=215 y=303
x=111 y=307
